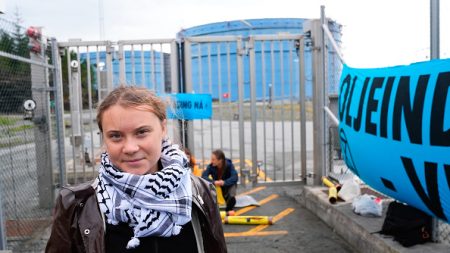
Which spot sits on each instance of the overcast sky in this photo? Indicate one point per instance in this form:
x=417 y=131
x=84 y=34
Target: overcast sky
x=376 y=33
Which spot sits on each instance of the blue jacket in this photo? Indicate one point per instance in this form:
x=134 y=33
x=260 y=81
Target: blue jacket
x=230 y=175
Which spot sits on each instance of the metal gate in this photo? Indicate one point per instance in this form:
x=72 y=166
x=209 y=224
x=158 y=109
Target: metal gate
x=93 y=68
x=260 y=118
x=260 y=109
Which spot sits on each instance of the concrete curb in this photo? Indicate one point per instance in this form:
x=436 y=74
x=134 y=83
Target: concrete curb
x=360 y=232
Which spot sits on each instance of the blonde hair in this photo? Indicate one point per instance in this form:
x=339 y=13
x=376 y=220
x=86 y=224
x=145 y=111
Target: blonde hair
x=134 y=97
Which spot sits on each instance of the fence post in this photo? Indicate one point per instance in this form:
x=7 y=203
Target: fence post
x=39 y=88
x=434 y=53
x=175 y=88
x=59 y=112
x=240 y=68
x=254 y=178
x=2 y=223
x=187 y=125
x=314 y=27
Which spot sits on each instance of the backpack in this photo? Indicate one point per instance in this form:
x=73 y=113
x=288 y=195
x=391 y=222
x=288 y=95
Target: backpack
x=408 y=225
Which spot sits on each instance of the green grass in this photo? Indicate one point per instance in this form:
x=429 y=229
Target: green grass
x=20 y=128
x=7 y=121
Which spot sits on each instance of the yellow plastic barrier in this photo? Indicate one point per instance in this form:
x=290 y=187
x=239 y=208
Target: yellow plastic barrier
x=248 y=220
x=332 y=195
x=328 y=182
x=224 y=213
x=220 y=199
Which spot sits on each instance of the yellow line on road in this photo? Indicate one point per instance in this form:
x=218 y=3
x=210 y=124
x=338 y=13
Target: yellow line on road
x=284 y=213
x=263 y=233
x=276 y=218
x=257 y=231
x=262 y=202
x=257 y=189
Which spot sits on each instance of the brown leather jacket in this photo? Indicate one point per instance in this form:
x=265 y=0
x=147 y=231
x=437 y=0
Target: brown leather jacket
x=78 y=225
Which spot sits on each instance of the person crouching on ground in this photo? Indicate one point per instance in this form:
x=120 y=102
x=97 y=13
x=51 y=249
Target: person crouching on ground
x=223 y=174
x=144 y=198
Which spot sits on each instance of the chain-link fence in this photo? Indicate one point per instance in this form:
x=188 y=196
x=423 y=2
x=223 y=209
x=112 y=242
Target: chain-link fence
x=28 y=131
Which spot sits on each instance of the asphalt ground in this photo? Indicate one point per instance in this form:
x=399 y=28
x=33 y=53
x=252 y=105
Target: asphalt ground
x=294 y=228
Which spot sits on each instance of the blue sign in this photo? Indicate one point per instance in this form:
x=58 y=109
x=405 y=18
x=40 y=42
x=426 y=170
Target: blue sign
x=189 y=106
x=395 y=131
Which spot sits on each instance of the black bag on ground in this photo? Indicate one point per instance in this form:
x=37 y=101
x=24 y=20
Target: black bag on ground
x=408 y=225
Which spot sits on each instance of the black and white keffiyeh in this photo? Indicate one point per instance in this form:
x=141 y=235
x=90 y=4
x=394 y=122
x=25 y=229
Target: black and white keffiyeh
x=152 y=204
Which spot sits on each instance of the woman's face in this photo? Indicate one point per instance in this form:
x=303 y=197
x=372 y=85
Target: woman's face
x=133 y=139
x=214 y=161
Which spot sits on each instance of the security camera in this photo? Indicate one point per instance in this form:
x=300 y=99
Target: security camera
x=74 y=64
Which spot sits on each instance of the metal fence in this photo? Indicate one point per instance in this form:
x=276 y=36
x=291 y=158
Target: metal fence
x=29 y=132
x=90 y=69
x=260 y=109
x=261 y=116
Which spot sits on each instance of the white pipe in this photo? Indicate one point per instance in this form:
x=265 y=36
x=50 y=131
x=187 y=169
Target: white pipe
x=333 y=42
x=332 y=117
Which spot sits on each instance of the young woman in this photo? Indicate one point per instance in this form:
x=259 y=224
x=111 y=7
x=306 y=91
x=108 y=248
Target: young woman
x=144 y=199
x=223 y=174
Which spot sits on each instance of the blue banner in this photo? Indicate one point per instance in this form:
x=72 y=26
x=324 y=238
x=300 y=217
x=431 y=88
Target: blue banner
x=189 y=106
x=395 y=131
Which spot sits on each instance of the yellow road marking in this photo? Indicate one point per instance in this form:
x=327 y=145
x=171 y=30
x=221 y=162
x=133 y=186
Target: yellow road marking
x=257 y=189
x=257 y=231
x=262 y=202
x=276 y=218
x=263 y=233
x=284 y=213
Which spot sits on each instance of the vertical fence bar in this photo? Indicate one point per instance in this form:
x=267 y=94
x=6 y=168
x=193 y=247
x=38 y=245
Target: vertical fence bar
x=122 y=64
x=153 y=69
x=254 y=140
x=59 y=112
x=230 y=104
x=2 y=222
x=281 y=52
x=200 y=83
x=110 y=70
x=189 y=126
x=240 y=71
x=271 y=93
x=99 y=76
x=263 y=84
x=142 y=66
x=210 y=92
x=80 y=109
x=90 y=160
x=302 y=90
x=133 y=65
x=161 y=64
x=219 y=83
x=175 y=88
x=291 y=92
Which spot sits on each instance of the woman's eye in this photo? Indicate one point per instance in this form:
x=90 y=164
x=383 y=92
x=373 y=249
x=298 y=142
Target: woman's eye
x=142 y=132
x=115 y=137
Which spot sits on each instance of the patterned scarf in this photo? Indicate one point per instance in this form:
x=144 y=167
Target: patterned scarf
x=152 y=204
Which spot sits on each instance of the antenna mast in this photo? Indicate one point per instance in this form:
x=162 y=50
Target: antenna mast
x=101 y=20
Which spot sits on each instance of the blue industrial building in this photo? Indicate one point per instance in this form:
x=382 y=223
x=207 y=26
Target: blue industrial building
x=279 y=83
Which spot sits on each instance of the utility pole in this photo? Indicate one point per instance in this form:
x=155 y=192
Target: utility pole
x=434 y=54
x=434 y=29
